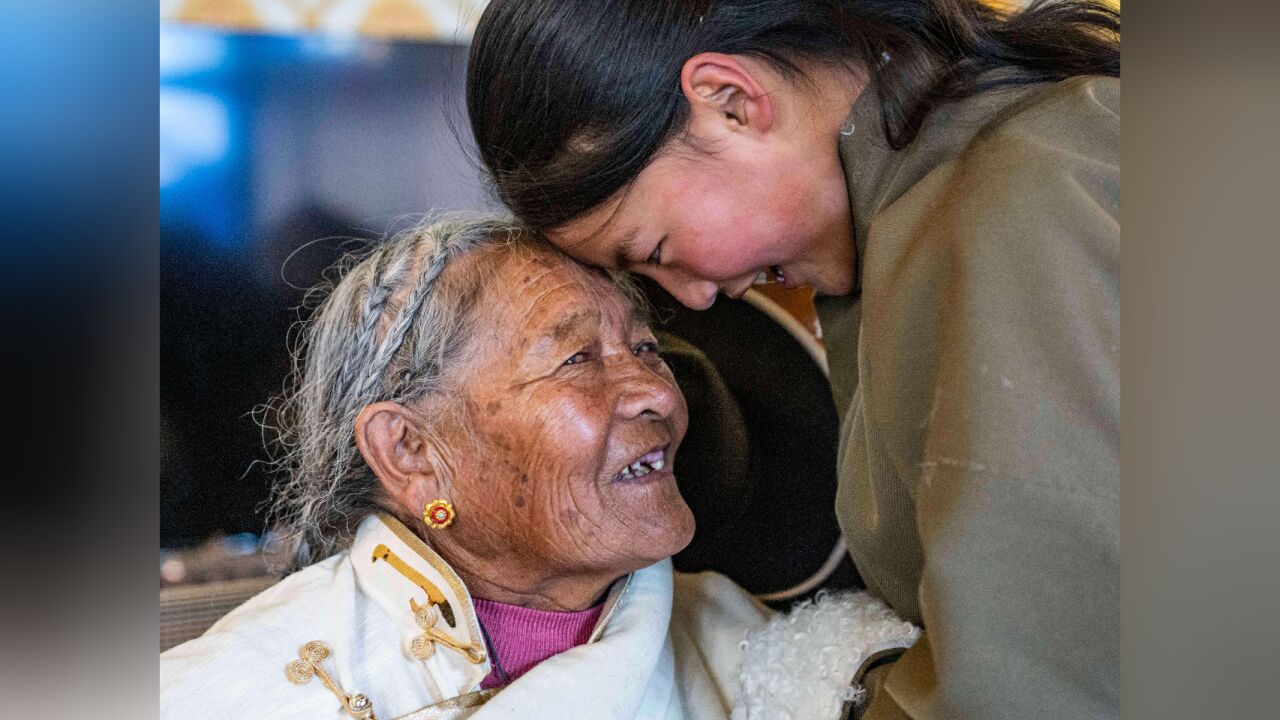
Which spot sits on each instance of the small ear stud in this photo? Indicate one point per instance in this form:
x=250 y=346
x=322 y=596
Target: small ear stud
x=438 y=514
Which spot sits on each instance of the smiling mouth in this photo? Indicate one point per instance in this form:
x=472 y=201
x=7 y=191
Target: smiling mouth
x=651 y=462
x=771 y=274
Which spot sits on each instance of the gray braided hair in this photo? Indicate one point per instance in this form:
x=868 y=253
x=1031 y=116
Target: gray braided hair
x=390 y=329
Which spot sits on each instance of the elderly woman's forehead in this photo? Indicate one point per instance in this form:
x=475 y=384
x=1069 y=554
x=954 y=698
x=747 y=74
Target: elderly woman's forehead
x=543 y=282
x=521 y=256
x=539 y=269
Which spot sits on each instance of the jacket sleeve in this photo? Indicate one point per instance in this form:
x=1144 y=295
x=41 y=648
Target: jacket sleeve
x=1017 y=494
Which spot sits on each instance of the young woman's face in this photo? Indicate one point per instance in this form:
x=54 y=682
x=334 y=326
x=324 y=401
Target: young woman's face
x=702 y=223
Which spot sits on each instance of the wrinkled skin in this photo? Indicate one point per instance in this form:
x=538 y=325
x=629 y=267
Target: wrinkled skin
x=562 y=388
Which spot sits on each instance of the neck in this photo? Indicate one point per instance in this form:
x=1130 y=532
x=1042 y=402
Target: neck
x=491 y=574
x=828 y=263
x=828 y=97
x=516 y=586
x=559 y=597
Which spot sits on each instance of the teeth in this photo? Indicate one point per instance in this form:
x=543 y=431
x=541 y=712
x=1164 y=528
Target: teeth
x=764 y=277
x=640 y=468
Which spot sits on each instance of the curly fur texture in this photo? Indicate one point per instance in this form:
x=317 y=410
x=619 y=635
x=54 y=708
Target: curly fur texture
x=800 y=664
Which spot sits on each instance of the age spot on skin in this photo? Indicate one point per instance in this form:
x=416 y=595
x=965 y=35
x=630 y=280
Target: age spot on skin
x=524 y=479
x=492 y=407
x=519 y=501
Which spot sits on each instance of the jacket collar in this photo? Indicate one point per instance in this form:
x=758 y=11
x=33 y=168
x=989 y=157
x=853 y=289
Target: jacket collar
x=876 y=175
x=868 y=163
x=616 y=593
x=391 y=564
x=399 y=572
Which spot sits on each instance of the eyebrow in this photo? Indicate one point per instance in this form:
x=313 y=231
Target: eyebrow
x=562 y=329
x=565 y=327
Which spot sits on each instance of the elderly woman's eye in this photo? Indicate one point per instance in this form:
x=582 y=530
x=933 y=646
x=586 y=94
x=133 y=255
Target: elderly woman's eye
x=647 y=347
x=578 y=357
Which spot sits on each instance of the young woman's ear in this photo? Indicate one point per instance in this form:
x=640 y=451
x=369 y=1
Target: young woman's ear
x=399 y=453
x=725 y=91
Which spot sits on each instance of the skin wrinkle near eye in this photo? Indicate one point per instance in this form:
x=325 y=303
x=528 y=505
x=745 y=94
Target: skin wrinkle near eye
x=541 y=298
x=561 y=338
x=555 y=341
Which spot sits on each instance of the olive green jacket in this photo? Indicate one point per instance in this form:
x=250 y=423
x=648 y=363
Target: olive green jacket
x=977 y=373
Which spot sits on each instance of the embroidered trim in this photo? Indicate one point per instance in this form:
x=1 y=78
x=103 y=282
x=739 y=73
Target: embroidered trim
x=434 y=596
x=611 y=605
x=460 y=706
x=415 y=543
x=307 y=666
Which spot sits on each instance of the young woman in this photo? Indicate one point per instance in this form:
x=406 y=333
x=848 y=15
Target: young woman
x=946 y=176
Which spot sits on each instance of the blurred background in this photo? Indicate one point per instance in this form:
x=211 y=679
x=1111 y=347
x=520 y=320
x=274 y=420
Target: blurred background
x=281 y=134
x=286 y=129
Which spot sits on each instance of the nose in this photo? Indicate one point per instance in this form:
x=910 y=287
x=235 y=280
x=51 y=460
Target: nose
x=693 y=293
x=643 y=391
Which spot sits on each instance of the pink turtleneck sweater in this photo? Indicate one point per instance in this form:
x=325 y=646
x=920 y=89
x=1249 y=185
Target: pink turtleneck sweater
x=522 y=638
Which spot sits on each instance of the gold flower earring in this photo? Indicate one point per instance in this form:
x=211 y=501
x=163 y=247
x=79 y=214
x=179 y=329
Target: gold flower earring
x=438 y=514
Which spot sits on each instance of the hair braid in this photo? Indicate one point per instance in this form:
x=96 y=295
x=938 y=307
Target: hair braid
x=381 y=289
x=400 y=327
x=390 y=310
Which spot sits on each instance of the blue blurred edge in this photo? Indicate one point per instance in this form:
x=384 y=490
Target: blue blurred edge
x=77 y=138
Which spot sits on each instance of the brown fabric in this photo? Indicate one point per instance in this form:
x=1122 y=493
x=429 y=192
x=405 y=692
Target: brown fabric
x=977 y=377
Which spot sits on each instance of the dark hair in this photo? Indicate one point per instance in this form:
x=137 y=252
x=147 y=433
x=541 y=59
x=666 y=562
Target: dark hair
x=570 y=99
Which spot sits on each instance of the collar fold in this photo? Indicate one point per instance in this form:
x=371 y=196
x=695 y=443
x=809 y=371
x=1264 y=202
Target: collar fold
x=413 y=586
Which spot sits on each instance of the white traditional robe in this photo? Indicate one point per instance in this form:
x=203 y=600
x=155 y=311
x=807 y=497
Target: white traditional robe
x=643 y=662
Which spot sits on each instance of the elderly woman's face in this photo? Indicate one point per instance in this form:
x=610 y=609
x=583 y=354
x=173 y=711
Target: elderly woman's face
x=574 y=424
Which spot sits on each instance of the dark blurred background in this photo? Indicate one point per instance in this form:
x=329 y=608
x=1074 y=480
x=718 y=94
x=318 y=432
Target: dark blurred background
x=274 y=152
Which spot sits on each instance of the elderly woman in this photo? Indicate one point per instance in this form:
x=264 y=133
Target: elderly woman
x=481 y=446
x=481 y=449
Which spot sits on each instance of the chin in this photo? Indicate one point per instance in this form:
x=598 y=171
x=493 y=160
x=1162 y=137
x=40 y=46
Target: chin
x=657 y=521
x=675 y=535
x=660 y=540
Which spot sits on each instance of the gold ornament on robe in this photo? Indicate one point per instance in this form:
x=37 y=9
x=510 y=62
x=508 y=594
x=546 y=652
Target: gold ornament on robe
x=427 y=616
x=434 y=596
x=307 y=666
